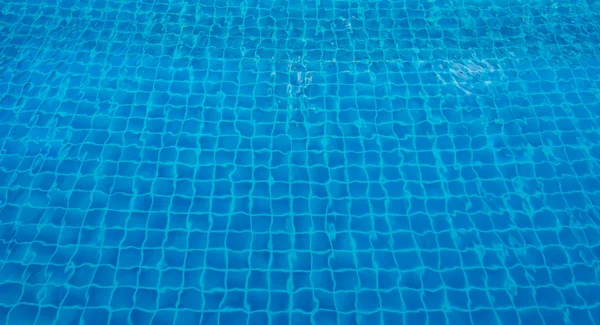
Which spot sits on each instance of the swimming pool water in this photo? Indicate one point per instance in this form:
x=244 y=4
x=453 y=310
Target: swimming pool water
x=299 y=162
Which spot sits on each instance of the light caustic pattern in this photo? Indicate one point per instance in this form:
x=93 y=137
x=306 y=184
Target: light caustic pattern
x=299 y=162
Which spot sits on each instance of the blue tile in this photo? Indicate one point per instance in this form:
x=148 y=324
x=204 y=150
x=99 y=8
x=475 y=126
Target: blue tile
x=296 y=162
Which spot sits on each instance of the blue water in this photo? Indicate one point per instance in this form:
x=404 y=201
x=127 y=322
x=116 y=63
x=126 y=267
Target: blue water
x=300 y=162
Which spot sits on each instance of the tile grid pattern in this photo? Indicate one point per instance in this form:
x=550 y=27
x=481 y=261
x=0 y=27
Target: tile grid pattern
x=326 y=162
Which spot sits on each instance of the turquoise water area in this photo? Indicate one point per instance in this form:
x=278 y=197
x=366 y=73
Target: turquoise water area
x=300 y=162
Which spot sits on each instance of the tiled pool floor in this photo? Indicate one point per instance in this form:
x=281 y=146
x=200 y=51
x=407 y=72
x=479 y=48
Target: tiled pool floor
x=299 y=162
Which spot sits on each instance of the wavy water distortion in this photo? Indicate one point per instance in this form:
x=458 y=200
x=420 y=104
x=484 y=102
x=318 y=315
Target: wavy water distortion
x=300 y=162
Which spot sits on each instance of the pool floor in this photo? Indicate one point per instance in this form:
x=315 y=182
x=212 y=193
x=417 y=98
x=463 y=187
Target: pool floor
x=300 y=162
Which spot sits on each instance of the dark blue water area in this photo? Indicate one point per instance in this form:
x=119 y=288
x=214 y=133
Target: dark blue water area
x=300 y=162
